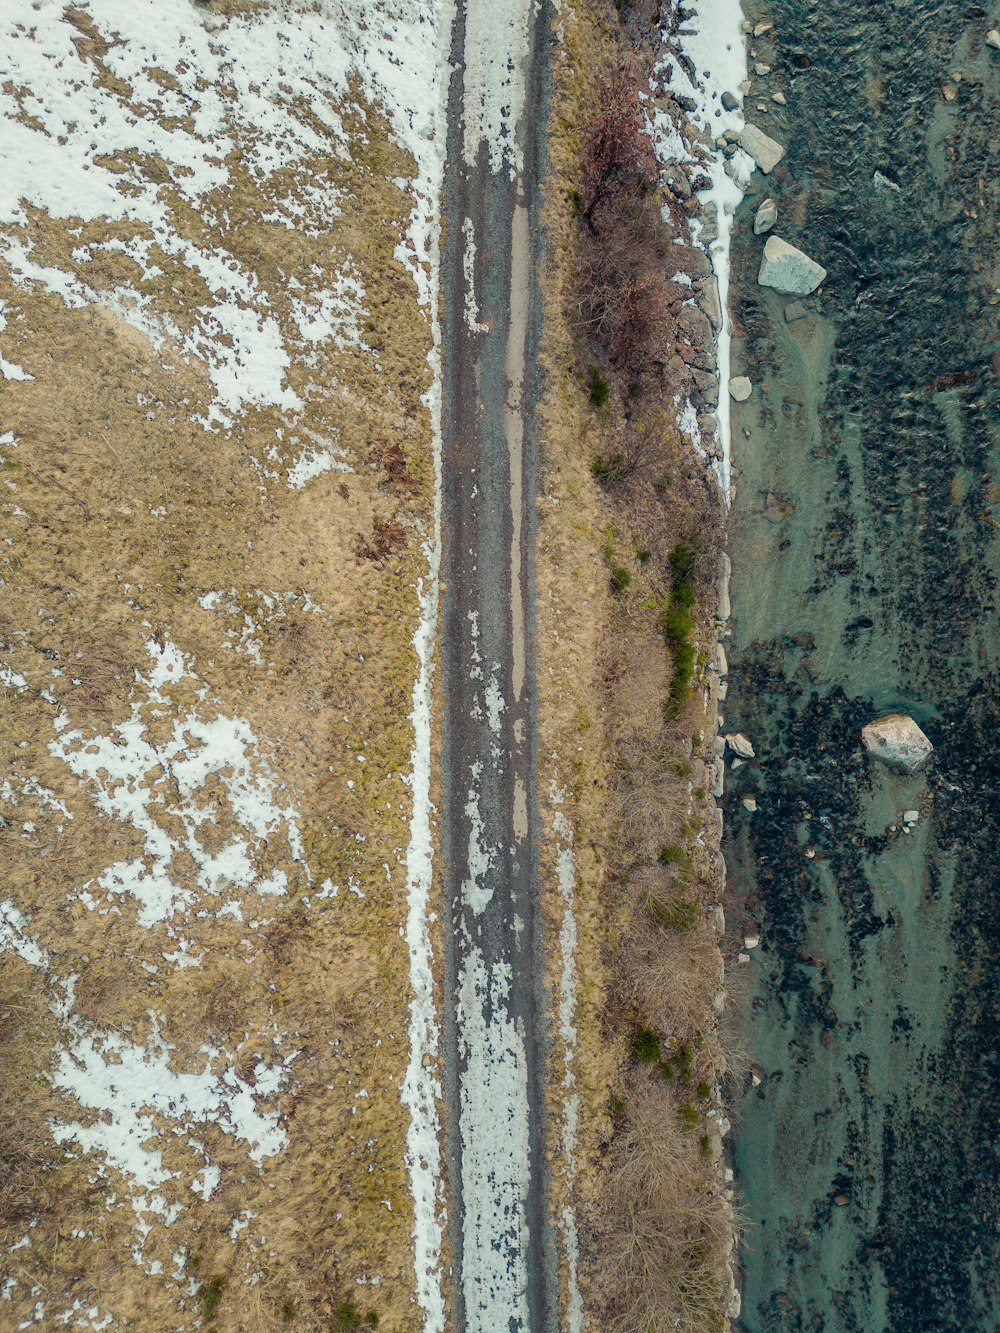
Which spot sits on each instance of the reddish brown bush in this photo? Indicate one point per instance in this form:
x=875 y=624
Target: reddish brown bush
x=388 y=535
x=618 y=154
x=624 y=304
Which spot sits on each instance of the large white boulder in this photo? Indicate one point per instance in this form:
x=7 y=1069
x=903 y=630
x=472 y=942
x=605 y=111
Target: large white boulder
x=897 y=741
x=787 y=269
x=764 y=150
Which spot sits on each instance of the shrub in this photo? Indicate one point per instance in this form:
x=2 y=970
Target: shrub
x=609 y=468
x=689 y=1117
x=211 y=1296
x=680 y=914
x=620 y=579
x=347 y=1317
x=645 y=1047
x=598 y=388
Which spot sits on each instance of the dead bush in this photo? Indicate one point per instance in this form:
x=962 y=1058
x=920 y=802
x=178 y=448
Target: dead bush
x=388 y=535
x=617 y=156
x=665 y=1265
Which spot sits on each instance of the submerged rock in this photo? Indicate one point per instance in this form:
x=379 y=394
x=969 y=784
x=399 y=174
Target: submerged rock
x=993 y=38
x=896 y=740
x=730 y=101
x=765 y=217
x=764 y=150
x=787 y=269
x=740 y=388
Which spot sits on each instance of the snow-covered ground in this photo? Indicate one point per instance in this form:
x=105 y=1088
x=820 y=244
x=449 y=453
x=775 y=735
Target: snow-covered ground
x=712 y=41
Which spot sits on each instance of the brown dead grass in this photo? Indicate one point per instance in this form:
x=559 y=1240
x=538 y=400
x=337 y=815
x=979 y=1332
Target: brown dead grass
x=130 y=519
x=621 y=489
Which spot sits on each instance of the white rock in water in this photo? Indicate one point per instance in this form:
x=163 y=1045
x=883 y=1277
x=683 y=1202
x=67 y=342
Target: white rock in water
x=765 y=217
x=751 y=941
x=740 y=388
x=993 y=38
x=897 y=741
x=789 y=270
x=740 y=745
x=910 y=816
x=750 y=804
x=764 y=151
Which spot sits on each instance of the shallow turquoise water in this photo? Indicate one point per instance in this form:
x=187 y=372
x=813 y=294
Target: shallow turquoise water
x=866 y=562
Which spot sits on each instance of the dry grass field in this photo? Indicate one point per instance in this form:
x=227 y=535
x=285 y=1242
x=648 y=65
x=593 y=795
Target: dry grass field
x=217 y=472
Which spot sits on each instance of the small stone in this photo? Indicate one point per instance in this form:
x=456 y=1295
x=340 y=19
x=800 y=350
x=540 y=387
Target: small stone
x=841 y=1200
x=764 y=150
x=743 y=958
x=993 y=38
x=749 y=804
x=811 y=853
x=737 y=763
x=740 y=388
x=751 y=941
x=788 y=269
x=721 y=661
x=761 y=69
x=718 y=918
x=949 y=91
x=765 y=217
x=779 y=98
x=795 y=310
x=896 y=740
x=740 y=745
x=759 y=29
x=911 y=816
x=755 y=1079
x=745 y=86
x=730 y=101
x=882 y=182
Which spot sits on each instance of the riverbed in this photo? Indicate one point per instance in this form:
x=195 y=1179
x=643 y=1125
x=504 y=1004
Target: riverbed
x=864 y=536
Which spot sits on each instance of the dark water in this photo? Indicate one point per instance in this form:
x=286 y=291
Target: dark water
x=866 y=554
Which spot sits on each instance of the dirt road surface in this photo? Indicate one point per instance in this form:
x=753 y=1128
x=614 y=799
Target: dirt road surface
x=504 y=1271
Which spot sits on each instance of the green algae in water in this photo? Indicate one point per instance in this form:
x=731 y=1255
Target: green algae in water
x=866 y=558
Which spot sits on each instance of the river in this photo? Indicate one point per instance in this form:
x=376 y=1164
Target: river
x=865 y=556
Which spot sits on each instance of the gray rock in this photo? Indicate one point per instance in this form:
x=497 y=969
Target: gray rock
x=708 y=300
x=765 y=217
x=896 y=740
x=787 y=269
x=761 y=69
x=740 y=388
x=725 y=573
x=779 y=98
x=694 y=326
x=740 y=745
x=678 y=182
x=709 y=222
x=764 y=151
x=708 y=386
x=795 y=310
x=691 y=260
x=730 y=101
